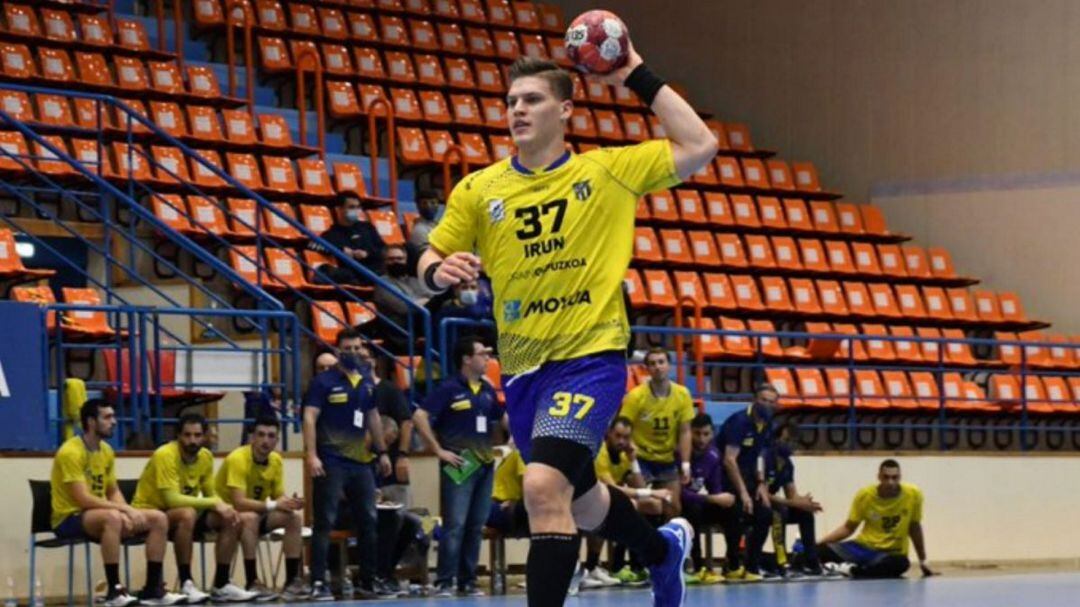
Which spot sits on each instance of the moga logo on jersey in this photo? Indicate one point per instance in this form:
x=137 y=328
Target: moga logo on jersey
x=582 y=190
x=496 y=210
x=512 y=309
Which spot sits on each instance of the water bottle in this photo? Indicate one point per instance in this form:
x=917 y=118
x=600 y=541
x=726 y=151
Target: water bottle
x=39 y=593
x=9 y=600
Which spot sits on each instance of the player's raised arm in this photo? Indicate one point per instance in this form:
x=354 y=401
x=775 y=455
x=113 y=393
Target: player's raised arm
x=692 y=143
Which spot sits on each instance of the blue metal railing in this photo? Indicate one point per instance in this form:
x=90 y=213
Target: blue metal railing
x=133 y=119
x=139 y=351
x=1016 y=410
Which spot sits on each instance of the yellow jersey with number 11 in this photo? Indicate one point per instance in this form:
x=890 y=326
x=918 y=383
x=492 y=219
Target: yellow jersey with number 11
x=556 y=244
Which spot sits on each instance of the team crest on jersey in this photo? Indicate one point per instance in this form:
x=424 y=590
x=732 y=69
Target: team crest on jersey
x=496 y=210
x=582 y=190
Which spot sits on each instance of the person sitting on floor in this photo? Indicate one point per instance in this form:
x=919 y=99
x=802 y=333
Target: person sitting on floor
x=890 y=513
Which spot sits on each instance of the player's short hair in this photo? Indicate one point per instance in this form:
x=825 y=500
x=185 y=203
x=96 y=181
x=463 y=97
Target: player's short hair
x=190 y=418
x=701 y=420
x=349 y=333
x=90 y=410
x=653 y=351
x=427 y=194
x=557 y=78
x=466 y=346
x=889 y=463
x=621 y=420
x=765 y=387
x=268 y=421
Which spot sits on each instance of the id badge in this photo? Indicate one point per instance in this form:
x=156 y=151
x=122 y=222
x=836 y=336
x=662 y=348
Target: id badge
x=481 y=424
x=358 y=419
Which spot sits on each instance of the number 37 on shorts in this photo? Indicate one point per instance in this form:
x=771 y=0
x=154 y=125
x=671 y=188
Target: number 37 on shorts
x=567 y=403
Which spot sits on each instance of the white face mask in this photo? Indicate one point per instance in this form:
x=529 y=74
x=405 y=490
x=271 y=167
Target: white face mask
x=469 y=297
x=352 y=214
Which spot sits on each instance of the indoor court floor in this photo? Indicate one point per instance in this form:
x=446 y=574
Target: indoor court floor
x=1032 y=590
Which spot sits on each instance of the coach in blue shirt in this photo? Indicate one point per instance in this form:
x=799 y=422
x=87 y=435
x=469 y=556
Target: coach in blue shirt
x=744 y=437
x=339 y=415
x=463 y=414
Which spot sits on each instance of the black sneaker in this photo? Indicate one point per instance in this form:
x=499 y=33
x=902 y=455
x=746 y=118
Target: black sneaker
x=390 y=586
x=372 y=590
x=470 y=590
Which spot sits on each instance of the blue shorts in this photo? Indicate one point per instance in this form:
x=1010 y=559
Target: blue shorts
x=70 y=528
x=590 y=388
x=854 y=552
x=658 y=472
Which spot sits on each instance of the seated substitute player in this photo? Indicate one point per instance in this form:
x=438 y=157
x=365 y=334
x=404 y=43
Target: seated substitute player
x=252 y=480
x=87 y=503
x=617 y=466
x=555 y=232
x=508 y=515
x=790 y=508
x=179 y=480
x=661 y=410
x=890 y=512
x=744 y=437
x=704 y=500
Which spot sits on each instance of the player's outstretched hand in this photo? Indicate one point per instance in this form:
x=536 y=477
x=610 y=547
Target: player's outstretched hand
x=617 y=77
x=926 y=571
x=457 y=268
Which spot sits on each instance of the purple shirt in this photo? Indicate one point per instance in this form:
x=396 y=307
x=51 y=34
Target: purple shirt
x=706 y=471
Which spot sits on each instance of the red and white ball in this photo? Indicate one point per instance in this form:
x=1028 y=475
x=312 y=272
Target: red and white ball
x=597 y=42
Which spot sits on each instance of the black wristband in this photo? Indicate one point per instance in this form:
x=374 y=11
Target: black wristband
x=644 y=83
x=429 y=278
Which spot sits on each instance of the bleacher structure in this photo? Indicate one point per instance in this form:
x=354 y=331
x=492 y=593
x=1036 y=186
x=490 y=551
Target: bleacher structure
x=183 y=129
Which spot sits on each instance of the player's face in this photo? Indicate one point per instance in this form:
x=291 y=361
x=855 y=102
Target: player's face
x=618 y=437
x=701 y=437
x=535 y=114
x=658 y=366
x=105 y=422
x=191 y=439
x=889 y=481
x=264 y=440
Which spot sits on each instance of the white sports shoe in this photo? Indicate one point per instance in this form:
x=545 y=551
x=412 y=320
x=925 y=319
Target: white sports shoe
x=843 y=569
x=231 y=593
x=193 y=594
x=602 y=575
x=119 y=597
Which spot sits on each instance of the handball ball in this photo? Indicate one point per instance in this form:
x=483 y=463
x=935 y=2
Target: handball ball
x=597 y=42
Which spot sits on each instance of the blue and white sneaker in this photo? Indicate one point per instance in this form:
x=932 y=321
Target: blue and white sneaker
x=668 y=583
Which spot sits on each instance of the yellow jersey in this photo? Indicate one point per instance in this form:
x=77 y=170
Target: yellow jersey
x=167 y=470
x=608 y=471
x=258 y=481
x=74 y=463
x=509 y=478
x=556 y=244
x=656 y=420
x=886 y=521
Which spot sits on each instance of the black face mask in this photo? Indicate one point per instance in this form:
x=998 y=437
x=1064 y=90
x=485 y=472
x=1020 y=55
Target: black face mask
x=428 y=213
x=397 y=270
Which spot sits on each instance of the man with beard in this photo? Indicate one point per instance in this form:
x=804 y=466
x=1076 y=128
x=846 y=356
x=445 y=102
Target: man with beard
x=252 y=480
x=87 y=503
x=179 y=480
